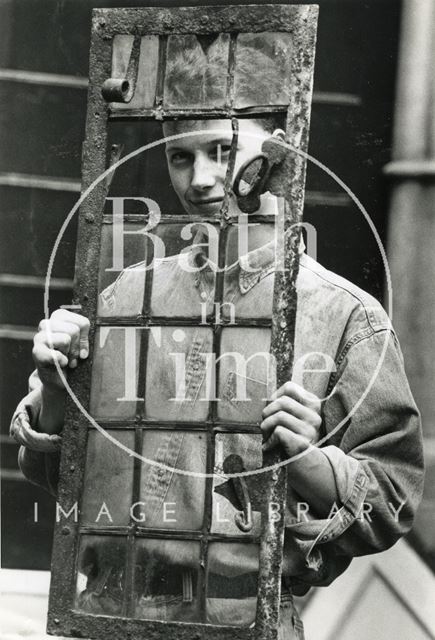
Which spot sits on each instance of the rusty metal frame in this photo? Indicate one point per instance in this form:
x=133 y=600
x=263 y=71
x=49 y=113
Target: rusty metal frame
x=301 y=22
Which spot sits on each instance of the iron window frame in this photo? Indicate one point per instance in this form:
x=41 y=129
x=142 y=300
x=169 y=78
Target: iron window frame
x=300 y=21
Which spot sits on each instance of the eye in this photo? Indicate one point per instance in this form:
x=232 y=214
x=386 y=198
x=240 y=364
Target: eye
x=179 y=158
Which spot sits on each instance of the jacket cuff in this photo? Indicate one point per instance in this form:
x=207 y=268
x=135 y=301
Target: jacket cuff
x=24 y=423
x=352 y=486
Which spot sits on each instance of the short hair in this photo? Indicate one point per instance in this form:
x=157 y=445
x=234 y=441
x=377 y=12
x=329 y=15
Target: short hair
x=192 y=78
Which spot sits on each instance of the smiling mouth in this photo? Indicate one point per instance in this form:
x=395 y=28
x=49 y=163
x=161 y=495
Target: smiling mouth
x=205 y=201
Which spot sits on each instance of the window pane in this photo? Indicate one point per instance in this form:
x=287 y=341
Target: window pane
x=101 y=575
x=232 y=584
x=123 y=269
x=108 y=483
x=114 y=387
x=166 y=580
x=263 y=68
x=196 y=71
x=183 y=283
x=144 y=95
x=248 y=280
x=172 y=500
x=237 y=501
x=176 y=373
x=142 y=182
x=246 y=374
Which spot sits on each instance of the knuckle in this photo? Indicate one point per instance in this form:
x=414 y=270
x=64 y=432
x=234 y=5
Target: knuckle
x=312 y=434
x=316 y=421
x=64 y=340
x=74 y=331
x=280 y=433
x=281 y=402
x=289 y=386
x=316 y=404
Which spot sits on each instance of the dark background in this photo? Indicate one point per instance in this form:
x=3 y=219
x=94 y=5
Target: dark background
x=42 y=129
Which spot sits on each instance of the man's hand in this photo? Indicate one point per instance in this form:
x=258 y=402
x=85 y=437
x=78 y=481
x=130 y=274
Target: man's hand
x=63 y=338
x=292 y=420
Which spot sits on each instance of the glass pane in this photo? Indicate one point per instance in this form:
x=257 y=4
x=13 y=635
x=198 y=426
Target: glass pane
x=142 y=182
x=249 y=275
x=108 y=483
x=232 y=583
x=183 y=283
x=263 y=69
x=171 y=500
x=176 y=380
x=144 y=95
x=166 y=580
x=246 y=374
x=123 y=263
x=115 y=371
x=196 y=71
x=101 y=575
x=237 y=500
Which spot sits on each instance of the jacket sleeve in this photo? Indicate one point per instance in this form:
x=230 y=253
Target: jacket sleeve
x=39 y=453
x=373 y=442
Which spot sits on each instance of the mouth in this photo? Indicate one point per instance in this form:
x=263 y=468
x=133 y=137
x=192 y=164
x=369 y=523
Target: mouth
x=206 y=201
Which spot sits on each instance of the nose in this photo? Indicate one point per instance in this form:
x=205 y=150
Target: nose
x=204 y=174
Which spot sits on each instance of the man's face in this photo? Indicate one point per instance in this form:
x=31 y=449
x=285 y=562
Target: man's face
x=198 y=163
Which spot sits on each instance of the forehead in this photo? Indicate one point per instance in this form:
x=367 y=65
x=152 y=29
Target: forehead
x=208 y=131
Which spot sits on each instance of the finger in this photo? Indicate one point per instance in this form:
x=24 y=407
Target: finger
x=286 y=420
x=291 y=443
x=49 y=327
x=298 y=393
x=295 y=408
x=44 y=356
x=82 y=322
x=60 y=341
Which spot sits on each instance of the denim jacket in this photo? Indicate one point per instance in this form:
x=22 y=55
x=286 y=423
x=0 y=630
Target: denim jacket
x=371 y=430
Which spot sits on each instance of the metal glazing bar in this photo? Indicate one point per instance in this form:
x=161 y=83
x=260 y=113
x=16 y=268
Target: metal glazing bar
x=215 y=113
x=163 y=425
x=128 y=597
x=231 y=71
x=206 y=526
x=143 y=354
x=173 y=534
x=145 y=321
x=161 y=73
x=129 y=601
x=183 y=218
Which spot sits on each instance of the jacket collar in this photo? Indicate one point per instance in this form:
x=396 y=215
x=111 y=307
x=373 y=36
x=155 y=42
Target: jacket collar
x=249 y=269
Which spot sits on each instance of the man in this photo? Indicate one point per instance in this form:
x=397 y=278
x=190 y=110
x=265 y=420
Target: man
x=361 y=487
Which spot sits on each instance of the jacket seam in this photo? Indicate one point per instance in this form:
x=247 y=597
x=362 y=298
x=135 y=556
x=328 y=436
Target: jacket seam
x=359 y=337
x=367 y=333
x=348 y=291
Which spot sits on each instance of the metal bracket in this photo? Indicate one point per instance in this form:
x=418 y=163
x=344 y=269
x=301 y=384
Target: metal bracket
x=256 y=173
x=122 y=89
